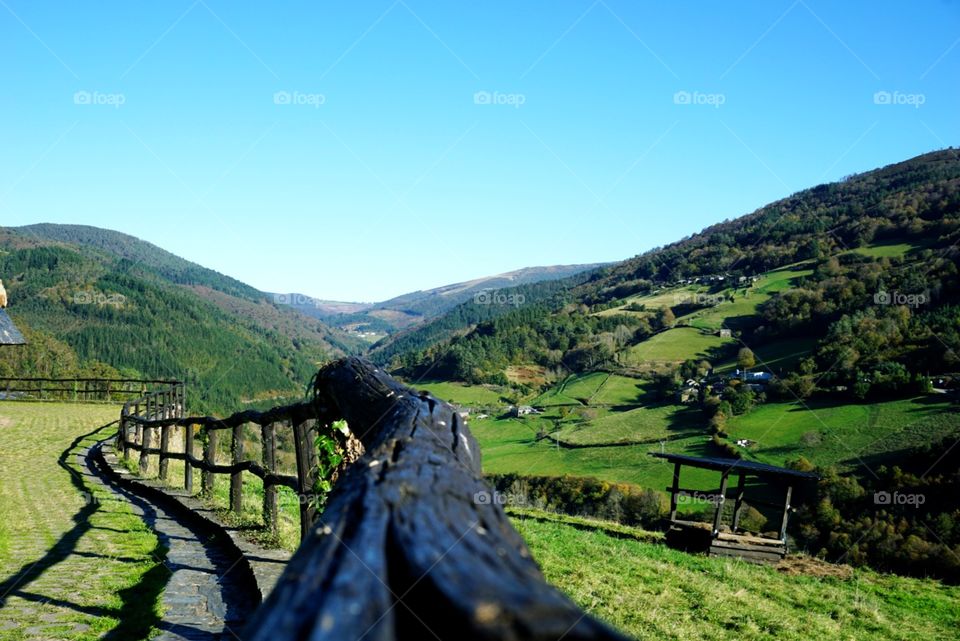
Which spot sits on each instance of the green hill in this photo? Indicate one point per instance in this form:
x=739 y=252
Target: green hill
x=97 y=302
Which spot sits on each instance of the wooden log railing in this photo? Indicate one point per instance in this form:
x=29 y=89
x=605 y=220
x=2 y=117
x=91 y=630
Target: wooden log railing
x=409 y=546
x=155 y=416
x=80 y=390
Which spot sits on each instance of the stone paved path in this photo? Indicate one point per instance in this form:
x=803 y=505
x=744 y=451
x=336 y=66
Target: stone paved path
x=201 y=601
x=82 y=559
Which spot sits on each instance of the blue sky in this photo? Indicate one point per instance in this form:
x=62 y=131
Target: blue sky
x=359 y=150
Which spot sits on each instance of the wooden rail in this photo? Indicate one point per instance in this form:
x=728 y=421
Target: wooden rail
x=148 y=426
x=409 y=545
x=82 y=390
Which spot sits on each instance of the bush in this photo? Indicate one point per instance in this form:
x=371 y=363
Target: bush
x=582 y=496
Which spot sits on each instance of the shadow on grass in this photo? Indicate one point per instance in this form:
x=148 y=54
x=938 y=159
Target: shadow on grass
x=137 y=614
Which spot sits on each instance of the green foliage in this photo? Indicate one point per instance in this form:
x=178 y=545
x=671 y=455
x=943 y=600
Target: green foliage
x=85 y=311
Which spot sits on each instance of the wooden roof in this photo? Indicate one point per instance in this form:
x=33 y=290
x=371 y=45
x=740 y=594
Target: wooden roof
x=738 y=466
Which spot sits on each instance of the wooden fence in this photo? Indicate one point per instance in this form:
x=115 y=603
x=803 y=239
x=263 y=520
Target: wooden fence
x=80 y=390
x=149 y=425
x=409 y=545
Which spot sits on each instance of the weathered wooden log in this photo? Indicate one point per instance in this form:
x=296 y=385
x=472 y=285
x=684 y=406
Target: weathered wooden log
x=410 y=545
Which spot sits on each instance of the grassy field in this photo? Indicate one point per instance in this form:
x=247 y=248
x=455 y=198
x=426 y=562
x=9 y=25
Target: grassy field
x=746 y=301
x=511 y=446
x=641 y=425
x=780 y=354
x=891 y=250
x=461 y=393
x=74 y=563
x=653 y=592
x=844 y=435
x=674 y=346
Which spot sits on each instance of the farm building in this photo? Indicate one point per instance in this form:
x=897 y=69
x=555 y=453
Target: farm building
x=523 y=410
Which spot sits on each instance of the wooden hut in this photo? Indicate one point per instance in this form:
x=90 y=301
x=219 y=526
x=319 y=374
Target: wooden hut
x=718 y=538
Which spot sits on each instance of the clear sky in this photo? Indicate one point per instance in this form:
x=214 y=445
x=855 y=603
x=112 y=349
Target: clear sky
x=358 y=150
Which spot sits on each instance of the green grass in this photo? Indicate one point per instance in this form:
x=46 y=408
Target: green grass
x=891 y=250
x=74 y=561
x=674 y=346
x=510 y=446
x=619 y=390
x=780 y=354
x=746 y=301
x=585 y=386
x=461 y=393
x=844 y=435
x=653 y=592
x=641 y=425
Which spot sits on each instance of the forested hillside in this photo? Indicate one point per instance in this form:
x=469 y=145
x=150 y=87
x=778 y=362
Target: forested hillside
x=869 y=270
x=87 y=310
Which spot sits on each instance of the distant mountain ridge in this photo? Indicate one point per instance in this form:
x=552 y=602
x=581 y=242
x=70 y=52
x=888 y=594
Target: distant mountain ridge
x=413 y=308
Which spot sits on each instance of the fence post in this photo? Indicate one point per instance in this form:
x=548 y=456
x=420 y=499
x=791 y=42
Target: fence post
x=188 y=454
x=164 y=440
x=210 y=458
x=236 y=478
x=268 y=434
x=147 y=442
x=306 y=473
x=124 y=412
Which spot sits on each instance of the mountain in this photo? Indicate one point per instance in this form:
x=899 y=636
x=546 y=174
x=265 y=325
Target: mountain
x=376 y=320
x=861 y=273
x=95 y=301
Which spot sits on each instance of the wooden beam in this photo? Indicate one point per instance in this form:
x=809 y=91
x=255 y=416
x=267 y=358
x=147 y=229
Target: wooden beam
x=410 y=544
x=675 y=492
x=721 y=499
x=786 y=514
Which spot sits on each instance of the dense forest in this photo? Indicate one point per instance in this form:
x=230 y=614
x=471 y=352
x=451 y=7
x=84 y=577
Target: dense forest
x=86 y=311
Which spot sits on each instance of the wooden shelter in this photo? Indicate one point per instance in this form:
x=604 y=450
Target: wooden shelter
x=718 y=539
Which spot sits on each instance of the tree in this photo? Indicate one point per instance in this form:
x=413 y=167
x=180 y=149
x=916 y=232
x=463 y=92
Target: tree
x=745 y=358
